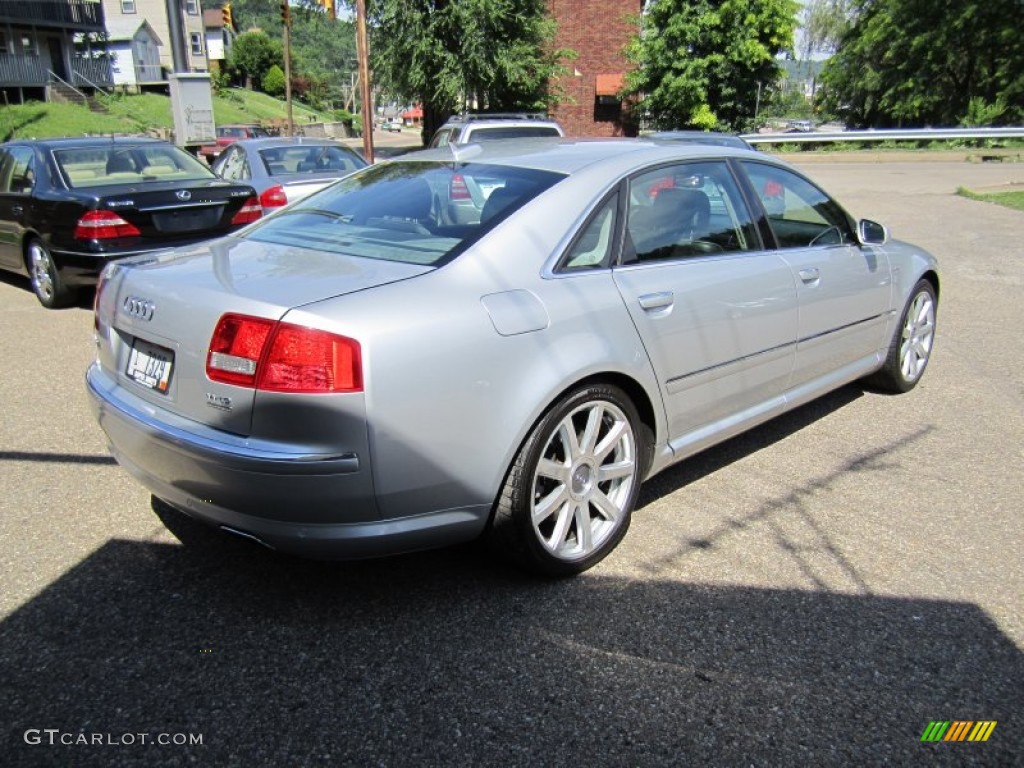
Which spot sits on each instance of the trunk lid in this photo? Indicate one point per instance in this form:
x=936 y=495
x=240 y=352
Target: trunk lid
x=159 y=312
x=167 y=211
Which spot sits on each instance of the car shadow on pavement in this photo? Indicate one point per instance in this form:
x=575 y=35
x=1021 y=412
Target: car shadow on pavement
x=443 y=658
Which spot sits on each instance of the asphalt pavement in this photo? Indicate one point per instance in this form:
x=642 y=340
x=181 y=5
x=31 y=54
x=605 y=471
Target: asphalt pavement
x=812 y=593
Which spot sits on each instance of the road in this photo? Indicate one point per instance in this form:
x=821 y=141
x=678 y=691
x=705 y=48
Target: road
x=812 y=593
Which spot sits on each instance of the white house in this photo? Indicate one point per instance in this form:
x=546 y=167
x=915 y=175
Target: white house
x=135 y=52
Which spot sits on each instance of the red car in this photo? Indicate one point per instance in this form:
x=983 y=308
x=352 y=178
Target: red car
x=229 y=134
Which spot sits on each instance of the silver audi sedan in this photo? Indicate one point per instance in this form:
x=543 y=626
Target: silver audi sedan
x=366 y=374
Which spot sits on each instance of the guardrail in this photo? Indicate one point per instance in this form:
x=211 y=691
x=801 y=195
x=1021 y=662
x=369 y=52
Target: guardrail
x=904 y=134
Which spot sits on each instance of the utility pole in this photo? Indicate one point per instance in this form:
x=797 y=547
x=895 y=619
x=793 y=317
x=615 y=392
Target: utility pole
x=286 y=20
x=362 y=51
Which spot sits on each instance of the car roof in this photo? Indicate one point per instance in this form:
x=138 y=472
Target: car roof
x=267 y=142
x=571 y=155
x=702 y=137
x=89 y=141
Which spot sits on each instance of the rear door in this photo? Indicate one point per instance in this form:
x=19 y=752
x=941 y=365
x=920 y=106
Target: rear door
x=716 y=312
x=17 y=179
x=844 y=290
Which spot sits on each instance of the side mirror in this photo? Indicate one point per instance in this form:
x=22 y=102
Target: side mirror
x=871 y=233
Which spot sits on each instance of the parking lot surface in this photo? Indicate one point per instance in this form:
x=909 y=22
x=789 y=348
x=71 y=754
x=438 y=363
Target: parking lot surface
x=814 y=592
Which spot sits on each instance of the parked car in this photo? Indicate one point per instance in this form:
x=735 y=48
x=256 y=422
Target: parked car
x=351 y=377
x=284 y=170
x=69 y=206
x=470 y=128
x=710 y=138
x=228 y=135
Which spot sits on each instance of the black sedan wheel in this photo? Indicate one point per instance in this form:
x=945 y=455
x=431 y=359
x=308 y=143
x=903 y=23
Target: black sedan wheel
x=47 y=282
x=568 y=497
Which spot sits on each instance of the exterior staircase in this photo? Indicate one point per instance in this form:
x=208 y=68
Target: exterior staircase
x=61 y=91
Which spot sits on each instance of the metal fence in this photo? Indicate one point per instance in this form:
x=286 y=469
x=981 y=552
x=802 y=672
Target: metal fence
x=903 y=134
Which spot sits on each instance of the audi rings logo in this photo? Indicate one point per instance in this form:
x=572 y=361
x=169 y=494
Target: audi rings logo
x=143 y=309
x=183 y=194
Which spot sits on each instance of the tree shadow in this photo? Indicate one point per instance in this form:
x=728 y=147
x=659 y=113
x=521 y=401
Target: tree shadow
x=443 y=658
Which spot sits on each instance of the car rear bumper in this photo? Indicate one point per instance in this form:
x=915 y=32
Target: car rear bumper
x=315 y=505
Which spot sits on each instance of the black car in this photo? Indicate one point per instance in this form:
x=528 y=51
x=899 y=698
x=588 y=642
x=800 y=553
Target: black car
x=68 y=206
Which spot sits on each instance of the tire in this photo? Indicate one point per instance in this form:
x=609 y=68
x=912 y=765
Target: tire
x=47 y=283
x=555 y=515
x=911 y=345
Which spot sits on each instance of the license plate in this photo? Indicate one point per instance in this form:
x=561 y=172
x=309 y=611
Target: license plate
x=150 y=365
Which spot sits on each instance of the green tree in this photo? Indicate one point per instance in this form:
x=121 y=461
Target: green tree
x=701 y=63
x=273 y=81
x=446 y=53
x=252 y=55
x=921 y=62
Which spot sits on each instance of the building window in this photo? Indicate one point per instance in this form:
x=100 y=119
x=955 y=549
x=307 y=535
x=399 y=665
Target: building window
x=127 y=6
x=197 y=43
x=28 y=44
x=3 y=42
x=192 y=7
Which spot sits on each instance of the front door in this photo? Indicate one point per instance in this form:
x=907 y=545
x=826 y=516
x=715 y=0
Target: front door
x=57 y=58
x=844 y=288
x=716 y=312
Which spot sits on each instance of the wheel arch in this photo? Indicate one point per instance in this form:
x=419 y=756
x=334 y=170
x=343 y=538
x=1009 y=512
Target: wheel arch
x=634 y=390
x=932 y=277
x=26 y=239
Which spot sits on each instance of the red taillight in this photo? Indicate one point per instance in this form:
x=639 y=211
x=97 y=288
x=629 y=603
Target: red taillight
x=273 y=197
x=457 y=189
x=248 y=213
x=235 y=349
x=103 y=225
x=282 y=357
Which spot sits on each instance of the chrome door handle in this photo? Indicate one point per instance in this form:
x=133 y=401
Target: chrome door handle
x=810 y=275
x=654 y=301
x=17 y=210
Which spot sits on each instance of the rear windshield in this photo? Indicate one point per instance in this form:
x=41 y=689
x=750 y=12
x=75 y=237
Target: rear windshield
x=128 y=164
x=513 y=132
x=281 y=161
x=418 y=213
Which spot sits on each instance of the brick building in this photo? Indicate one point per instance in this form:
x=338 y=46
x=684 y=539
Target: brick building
x=597 y=30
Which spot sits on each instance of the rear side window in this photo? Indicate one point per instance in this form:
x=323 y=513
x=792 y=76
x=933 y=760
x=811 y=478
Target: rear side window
x=17 y=172
x=405 y=211
x=689 y=209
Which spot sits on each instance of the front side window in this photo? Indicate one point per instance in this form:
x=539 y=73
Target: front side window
x=799 y=213
x=688 y=209
x=394 y=211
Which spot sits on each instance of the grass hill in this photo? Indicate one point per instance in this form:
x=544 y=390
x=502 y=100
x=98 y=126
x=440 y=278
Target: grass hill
x=140 y=114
